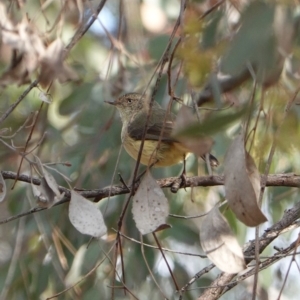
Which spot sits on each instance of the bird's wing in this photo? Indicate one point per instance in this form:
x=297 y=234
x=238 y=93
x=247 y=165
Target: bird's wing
x=159 y=128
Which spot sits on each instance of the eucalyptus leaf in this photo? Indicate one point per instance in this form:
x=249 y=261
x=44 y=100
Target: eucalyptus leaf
x=85 y=216
x=214 y=124
x=150 y=206
x=77 y=99
x=242 y=183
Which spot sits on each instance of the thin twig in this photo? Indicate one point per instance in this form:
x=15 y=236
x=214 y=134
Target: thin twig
x=166 y=261
x=14 y=105
x=27 y=141
x=164 y=249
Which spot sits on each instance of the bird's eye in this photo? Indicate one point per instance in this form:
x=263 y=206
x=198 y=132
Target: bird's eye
x=129 y=100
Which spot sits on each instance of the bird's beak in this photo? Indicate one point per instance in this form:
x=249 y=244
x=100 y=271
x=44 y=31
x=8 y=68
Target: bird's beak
x=110 y=102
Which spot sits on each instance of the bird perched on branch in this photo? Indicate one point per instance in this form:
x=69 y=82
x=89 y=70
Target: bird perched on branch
x=160 y=148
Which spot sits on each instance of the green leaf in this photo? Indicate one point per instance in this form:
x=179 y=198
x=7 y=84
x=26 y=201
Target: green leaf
x=254 y=42
x=79 y=97
x=157 y=46
x=212 y=125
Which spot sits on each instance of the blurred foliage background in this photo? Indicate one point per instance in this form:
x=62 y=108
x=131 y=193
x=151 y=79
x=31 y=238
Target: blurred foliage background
x=243 y=53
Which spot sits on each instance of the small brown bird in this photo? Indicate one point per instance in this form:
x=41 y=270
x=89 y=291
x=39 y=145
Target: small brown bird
x=160 y=147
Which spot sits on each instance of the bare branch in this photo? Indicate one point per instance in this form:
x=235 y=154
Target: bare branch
x=287 y=180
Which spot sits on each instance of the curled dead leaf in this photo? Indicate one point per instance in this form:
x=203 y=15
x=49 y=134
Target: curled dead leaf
x=47 y=192
x=45 y=196
x=242 y=183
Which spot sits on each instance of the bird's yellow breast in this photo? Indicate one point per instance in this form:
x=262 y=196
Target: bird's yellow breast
x=166 y=154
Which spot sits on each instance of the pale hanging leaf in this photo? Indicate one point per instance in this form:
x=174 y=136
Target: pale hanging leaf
x=219 y=243
x=45 y=196
x=2 y=188
x=85 y=216
x=74 y=275
x=48 y=191
x=35 y=190
x=150 y=207
x=242 y=184
x=52 y=184
x=197 y=144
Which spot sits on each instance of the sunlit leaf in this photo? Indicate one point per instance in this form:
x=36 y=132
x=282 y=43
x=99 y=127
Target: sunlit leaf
x=242 y=184
x=150 y=207
x=289 y=132
x=85 y=216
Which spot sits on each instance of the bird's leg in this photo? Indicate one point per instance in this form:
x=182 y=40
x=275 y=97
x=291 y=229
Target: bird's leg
x=213 y=161
x=183 y=174
x=123 y=182
x=182 y=179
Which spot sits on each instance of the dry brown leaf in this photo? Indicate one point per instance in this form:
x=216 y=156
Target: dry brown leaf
x=45 y=196
x=150 y=206
x=25 y=45
x=53 y=66
x=242 y=184
x=85 y=216
x=30 y=54
x=32 y=45
x=47 y=192
x=219 y=243
x=53 y=185
x=16 y=73
x=6 y=26
x=198 y=146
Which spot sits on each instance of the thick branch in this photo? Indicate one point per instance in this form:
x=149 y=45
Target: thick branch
x=288 y=180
